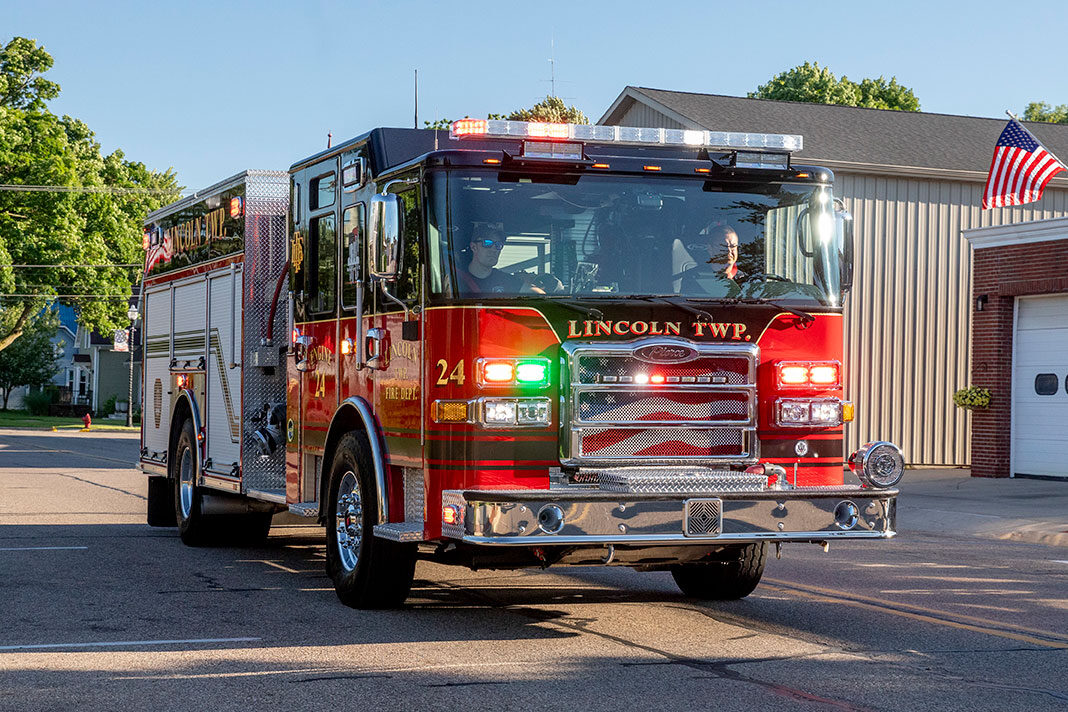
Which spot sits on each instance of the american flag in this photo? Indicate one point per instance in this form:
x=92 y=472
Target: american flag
x=1020 y=170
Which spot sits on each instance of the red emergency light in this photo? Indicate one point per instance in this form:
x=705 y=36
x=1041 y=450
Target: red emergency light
x=469 y=127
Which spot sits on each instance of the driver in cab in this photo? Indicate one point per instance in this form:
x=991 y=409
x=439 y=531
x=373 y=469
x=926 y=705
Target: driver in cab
x=481 y=274
x=720 y=244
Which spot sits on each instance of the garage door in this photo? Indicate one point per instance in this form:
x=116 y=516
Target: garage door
x=1040 y=387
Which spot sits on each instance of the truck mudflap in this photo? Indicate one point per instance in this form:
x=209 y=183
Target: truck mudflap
x=574 y=516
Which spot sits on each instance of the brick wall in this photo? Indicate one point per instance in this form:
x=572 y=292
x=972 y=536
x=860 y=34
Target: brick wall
x=1004 y=273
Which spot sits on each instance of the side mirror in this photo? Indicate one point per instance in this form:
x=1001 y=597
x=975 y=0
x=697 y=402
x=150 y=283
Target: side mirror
x=383 y=245
x=843 y=222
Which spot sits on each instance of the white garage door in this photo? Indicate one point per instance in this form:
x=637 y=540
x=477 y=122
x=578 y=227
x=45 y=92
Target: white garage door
x=1040 y=387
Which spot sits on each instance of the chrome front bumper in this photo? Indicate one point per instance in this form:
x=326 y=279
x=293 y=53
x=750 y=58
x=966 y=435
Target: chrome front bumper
x=511 y=517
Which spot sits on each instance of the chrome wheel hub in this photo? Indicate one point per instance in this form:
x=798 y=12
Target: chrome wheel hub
x=349 y=525
x=185 y=483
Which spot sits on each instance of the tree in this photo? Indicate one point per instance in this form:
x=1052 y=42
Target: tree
x=814 y=84
x=551 y=109
x=94 y=218
x=1041 y=111
x=30 y=361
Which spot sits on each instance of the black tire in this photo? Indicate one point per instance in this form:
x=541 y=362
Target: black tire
x=193 y=527
x=367 y=572
x=734 y=575
x=161 y=502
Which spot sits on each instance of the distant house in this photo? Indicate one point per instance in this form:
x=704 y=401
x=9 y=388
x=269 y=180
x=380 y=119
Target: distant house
x=90 y=370
x=913 y=183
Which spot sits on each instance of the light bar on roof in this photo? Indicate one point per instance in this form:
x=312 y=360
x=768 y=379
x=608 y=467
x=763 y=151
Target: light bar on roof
x=630 y=135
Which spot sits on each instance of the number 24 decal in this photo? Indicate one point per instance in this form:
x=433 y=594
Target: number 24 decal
x=456 y=376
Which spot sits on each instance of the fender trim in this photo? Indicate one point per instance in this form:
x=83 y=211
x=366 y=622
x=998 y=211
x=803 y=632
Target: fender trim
x=378 y=461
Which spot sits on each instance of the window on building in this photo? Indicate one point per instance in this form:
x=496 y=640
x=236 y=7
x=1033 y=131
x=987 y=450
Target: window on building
x=1046 y=384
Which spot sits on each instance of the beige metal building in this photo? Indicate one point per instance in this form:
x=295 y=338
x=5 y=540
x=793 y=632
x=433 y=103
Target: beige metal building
x=913 y=182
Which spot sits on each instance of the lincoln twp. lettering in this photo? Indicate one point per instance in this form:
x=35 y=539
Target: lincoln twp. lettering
x=733 y=331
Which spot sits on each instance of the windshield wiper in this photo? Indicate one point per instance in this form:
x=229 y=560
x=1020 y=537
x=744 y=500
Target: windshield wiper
x=804 y=316
x=701 y=314
x=577 y=306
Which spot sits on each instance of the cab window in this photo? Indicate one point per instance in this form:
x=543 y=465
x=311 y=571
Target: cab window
x=322 y=276
x=351 y=240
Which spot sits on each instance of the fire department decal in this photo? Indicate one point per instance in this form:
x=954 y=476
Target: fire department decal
x=728 y=331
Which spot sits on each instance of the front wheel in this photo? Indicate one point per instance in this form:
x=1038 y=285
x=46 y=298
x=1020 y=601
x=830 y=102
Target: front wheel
x=733 y=575
x=367 y=572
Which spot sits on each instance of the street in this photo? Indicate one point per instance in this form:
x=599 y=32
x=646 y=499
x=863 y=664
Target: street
x=101 y=611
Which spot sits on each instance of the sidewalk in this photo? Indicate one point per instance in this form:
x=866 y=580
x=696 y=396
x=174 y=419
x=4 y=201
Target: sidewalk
x=949 y=501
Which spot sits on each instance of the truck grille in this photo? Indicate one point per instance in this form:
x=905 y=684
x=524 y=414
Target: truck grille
x=702 y=405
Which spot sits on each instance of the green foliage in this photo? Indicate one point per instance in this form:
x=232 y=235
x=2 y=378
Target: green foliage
x=1041 y=111
x=37 y=402
x=814 y=84
x=972 y=398
x=22 y=63
x=31 y=360
x=551 y=109
x=109 y=406
x=102 y=226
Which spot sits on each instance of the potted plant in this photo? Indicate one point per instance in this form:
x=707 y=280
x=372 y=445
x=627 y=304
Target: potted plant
x=972 y=398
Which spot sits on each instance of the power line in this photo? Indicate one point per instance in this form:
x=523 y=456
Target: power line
x=68 y=296
x=19 y=188
x=124 y=264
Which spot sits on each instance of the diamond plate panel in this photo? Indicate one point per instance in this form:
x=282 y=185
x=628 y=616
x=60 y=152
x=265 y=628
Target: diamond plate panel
x=452 y=497
x=413 y=496
x=704 y=517
x=266 y=209
x=675 y=481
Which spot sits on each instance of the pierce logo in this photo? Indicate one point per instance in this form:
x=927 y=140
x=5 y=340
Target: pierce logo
x=662 y=353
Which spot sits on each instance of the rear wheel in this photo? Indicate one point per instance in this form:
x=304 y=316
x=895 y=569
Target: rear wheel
x=192 y=525
x=734 y=575
x=367 y=572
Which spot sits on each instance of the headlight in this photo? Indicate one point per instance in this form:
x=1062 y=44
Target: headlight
x=808 y=412
x=524 y=412
x=879 y=464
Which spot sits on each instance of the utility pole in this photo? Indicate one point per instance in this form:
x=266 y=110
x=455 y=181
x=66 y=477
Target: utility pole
x=416 y=117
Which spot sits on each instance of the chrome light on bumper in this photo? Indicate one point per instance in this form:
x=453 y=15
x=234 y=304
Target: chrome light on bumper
x=808 y=412
x=879 y=464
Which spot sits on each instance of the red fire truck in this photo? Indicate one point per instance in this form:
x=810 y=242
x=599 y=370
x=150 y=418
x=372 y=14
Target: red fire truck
x=510 y=345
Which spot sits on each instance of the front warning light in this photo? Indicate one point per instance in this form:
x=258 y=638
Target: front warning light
x=468 y=127
x=530 y=373
x=525 y=372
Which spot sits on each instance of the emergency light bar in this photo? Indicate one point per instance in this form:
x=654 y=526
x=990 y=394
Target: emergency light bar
x=630 y=135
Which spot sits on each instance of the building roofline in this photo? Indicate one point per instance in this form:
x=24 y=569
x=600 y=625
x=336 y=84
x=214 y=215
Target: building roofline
x=1018 y=233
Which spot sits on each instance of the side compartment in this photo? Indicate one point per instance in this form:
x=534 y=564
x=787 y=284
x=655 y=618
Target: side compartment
x=223 y=373
x=156 y=410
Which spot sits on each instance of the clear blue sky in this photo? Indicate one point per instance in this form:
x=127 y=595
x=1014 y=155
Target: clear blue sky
x=212 y=88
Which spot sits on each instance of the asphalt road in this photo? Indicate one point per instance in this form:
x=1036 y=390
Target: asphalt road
x=99 y=611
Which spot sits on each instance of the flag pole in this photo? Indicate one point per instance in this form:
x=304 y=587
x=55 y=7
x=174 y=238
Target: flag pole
x=1013 y=116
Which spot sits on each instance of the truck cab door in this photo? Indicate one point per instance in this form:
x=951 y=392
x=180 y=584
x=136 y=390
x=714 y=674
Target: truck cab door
x=395 y=353
x=313 y=375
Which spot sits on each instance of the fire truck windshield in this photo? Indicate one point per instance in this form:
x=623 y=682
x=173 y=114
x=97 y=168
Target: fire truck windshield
x=593 y=236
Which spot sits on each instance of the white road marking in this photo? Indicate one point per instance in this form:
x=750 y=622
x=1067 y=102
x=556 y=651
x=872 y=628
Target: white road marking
x=118 y=643
x=43 y=548
x=1059 y=561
